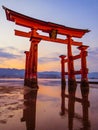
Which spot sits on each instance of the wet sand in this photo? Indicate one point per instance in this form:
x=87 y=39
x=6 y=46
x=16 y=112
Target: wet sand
x=22 y=108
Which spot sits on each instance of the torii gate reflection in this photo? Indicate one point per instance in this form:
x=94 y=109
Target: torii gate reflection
x=53 y=30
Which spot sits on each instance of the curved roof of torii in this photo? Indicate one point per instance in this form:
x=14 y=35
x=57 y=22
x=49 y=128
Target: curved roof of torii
x=44 y=26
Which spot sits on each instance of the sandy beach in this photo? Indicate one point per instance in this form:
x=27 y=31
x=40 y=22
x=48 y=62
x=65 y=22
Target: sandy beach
x=44 y=109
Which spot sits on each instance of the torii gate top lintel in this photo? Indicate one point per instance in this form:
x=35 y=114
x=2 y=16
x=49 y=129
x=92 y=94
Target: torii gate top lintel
x=48 y=27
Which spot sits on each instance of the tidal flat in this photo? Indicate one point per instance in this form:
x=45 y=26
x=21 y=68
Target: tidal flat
x=23 y=108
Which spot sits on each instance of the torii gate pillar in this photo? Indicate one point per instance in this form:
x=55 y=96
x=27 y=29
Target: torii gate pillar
x=71 y=77
x=31 y=64
x=26 y=68
x=63 y=82
x=84 y=78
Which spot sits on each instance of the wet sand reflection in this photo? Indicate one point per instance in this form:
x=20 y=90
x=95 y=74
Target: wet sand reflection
x=71 y=107
x=29 y=112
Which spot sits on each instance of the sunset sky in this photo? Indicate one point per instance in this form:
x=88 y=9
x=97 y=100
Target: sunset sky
x=81 y=14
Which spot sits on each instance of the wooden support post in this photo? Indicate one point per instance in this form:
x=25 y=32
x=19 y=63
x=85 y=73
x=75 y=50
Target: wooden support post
x=63 y=82
x=33 y=58
x=83 y=61
x=71 y=84
x=71 y=76
x=26 y=68
x=84 y=70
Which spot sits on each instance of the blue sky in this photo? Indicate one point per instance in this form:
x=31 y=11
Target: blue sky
x=73 y=13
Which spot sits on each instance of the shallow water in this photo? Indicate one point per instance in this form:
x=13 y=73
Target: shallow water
x=22 y=108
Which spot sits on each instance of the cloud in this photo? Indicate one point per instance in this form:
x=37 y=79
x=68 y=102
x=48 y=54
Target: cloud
x=47 y=59
x=93 y=51
x=4 y=53
x=93 y=59
x=7 y=55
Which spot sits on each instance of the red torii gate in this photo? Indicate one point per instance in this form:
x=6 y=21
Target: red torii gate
x=52 y=30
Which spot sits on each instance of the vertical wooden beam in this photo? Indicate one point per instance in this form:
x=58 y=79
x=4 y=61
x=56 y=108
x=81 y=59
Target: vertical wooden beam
x=70 y=60
x=63 y=82
x=33 y=59
x=71 y=76
x=26 y=68
x=84 y=69
x=83 y=61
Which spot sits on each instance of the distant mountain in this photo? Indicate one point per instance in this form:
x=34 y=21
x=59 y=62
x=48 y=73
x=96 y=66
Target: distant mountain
x=93 y=75
x=19 y=73
x=49 y=74
x=11 y=73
